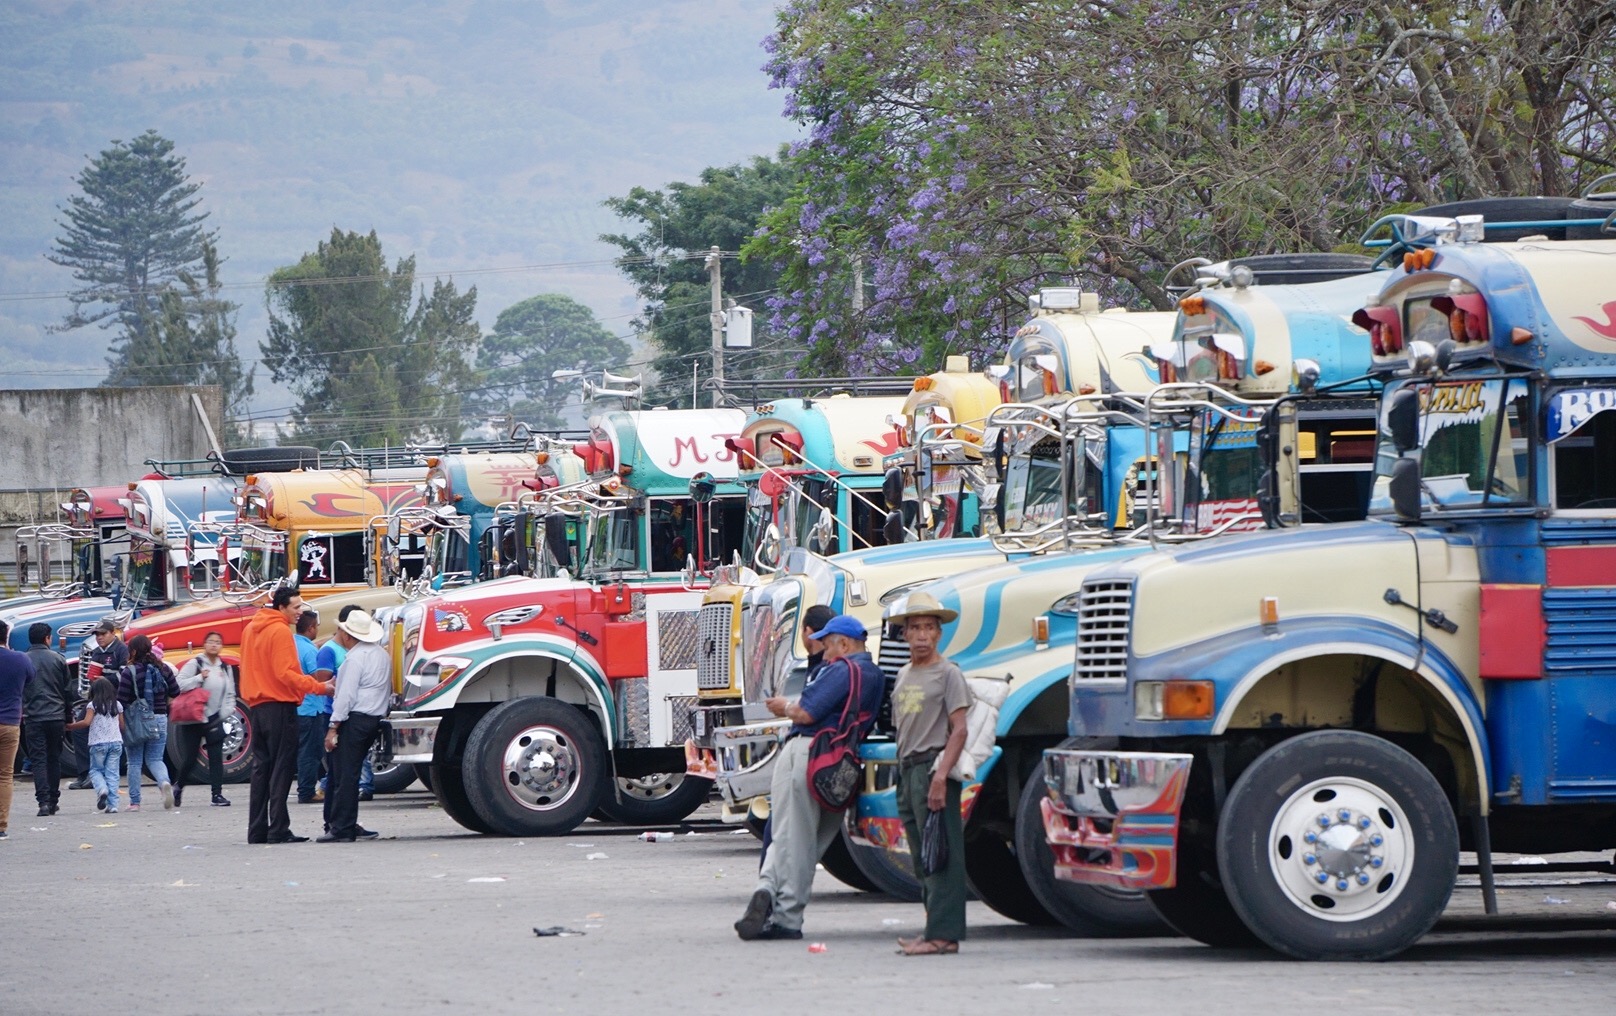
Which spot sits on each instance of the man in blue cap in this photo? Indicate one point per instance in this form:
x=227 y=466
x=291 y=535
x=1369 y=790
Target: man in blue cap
x=803 y=829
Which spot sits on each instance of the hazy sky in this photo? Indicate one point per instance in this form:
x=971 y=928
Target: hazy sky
x=480 y=137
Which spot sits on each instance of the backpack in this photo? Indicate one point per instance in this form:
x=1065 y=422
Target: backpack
x=834 y=771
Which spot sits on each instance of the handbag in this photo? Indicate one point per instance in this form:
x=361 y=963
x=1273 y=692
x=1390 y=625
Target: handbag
x=834 y=771
x=188 y=706
x=139 y=719
x=933 y=843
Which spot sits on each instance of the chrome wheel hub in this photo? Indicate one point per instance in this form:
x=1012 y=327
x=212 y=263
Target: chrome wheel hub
x=1340 y=849
x=540 y=768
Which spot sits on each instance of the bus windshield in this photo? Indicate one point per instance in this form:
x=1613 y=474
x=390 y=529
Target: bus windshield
x=1473 y=446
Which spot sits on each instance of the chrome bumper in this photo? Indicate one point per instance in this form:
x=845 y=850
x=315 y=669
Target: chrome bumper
x=745 y=757
x=413 y=737
x=1111 y=818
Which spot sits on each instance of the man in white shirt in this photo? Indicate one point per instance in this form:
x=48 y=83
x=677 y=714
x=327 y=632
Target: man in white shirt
x=364 y=692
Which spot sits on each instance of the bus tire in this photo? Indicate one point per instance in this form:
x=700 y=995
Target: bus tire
x=535 y=766
x=1337 y=844
x=660 y=799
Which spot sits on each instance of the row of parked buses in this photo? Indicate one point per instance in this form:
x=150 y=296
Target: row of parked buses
x=1335 y=515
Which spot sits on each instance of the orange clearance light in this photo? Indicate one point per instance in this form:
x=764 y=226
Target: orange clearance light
x=1051 y=386
x=133 y=484
x=1262 y=367
x=431 y=461
x=924 y=384
x=1085 y=389
x=1268 y=611
x=1520 y=336
x=1187 y=700
x=1193 y=305
x=1040 y=629
x=542 y=458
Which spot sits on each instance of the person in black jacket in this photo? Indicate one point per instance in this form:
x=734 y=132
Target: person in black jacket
x=106 y=648
x=147 y=677
x=47 y=707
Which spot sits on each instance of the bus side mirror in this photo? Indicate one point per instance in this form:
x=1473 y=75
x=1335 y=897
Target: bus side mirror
x=1403 y=421
x=892 y=488
x=702 y=487
x=395 y=530
x=892 y=529
x=1404 y=488
x=519 y=524
x=555 y=539
x=22 y=565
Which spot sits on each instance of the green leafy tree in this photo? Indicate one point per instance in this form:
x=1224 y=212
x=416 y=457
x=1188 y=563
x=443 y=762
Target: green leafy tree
x=128 y=238
x=665 y=259
x=368 y=365
x=959 y=156
x=193 y=341
x=531 y=340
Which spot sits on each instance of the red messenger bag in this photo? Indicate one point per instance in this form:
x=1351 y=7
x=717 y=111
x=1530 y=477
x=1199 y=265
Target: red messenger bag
x=834 y=771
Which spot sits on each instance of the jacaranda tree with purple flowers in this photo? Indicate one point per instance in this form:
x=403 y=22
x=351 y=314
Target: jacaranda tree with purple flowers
x=960 y=155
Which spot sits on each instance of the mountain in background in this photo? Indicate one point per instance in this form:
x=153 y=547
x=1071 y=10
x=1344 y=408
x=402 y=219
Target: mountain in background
x=479 y=135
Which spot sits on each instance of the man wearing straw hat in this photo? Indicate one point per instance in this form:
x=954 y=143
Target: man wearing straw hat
x=364 y=690
x=929 y=702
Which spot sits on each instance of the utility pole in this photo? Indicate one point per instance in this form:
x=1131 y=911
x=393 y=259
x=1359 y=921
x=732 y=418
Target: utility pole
x=715 y=272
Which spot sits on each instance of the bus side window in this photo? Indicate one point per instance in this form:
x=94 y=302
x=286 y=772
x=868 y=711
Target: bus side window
x=1583 y=474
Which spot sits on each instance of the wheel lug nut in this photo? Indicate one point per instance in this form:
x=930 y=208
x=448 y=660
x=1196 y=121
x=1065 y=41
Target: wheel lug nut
x=1324 y=821
x=1363 y=879
x=1322 y=878
x=1342 y=885
x=1309 y=859
x=1345 y=815
x=1311 y=837
x=1375 y=862
x=1363 y=823
x=1377 y=840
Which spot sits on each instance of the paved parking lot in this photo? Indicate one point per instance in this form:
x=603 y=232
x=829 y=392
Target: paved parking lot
x=173 y=913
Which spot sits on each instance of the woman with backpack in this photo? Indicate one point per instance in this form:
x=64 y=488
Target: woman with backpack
x=147 y=679
x=212 y=674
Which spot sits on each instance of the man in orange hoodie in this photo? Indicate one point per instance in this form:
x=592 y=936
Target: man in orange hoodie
x=272 y=684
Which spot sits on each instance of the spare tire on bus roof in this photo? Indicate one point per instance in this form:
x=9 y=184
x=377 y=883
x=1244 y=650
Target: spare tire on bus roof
x=274 y=459
x=1597 y=202
x=1294 y=269
x=1523 y=209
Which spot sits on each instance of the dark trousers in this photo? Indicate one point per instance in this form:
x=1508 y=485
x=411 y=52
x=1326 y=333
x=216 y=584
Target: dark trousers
x=45 y=749
x=81 y=744
x=342 y=799
x=274 y=731
x=190 y=737
x=310 y=752
x=943 y=893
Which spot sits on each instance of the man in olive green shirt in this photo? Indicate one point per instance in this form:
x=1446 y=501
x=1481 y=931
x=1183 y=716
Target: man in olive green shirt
x=929 y=703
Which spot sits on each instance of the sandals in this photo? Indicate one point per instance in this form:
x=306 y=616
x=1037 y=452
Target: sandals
x=927 y=947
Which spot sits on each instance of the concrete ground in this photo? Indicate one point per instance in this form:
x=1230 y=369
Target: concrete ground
x=173 y=913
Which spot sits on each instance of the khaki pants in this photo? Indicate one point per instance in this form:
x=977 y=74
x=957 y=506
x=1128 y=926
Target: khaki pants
x=802 y=831
x=8 y=765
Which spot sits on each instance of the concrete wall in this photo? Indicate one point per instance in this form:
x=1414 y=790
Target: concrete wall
x=52 y=440
x=79 y=437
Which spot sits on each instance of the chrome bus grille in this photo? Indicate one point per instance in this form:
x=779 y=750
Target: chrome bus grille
x=714 y=628
x=1102 y=629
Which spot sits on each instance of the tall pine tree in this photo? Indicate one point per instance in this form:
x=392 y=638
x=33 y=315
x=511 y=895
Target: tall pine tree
x=128 y=238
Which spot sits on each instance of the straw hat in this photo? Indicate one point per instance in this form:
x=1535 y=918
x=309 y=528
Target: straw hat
x=919 y=604
x=362 y=627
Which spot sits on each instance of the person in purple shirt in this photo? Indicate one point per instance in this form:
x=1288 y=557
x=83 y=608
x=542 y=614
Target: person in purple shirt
x=15 y=671
x=802 y=828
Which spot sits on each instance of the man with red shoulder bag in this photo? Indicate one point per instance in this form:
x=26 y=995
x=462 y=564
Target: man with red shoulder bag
x=849 y=685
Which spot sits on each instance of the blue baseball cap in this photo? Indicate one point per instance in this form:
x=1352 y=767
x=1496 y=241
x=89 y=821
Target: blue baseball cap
x=842 y=624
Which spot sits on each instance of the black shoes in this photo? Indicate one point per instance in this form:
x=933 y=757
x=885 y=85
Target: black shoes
x=82 y=783
x=101 y=803
x=45 y=811
x=221 y=801
x=179 y=792
x=775 y=931
x=367 y=795
x=289 y=838
x=368 y=834
x=755 y=920
x=328 y=838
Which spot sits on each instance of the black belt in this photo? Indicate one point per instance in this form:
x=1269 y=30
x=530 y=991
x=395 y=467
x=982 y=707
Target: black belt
x=919 y=758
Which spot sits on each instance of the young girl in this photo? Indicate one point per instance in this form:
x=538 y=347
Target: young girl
x=104 y=717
